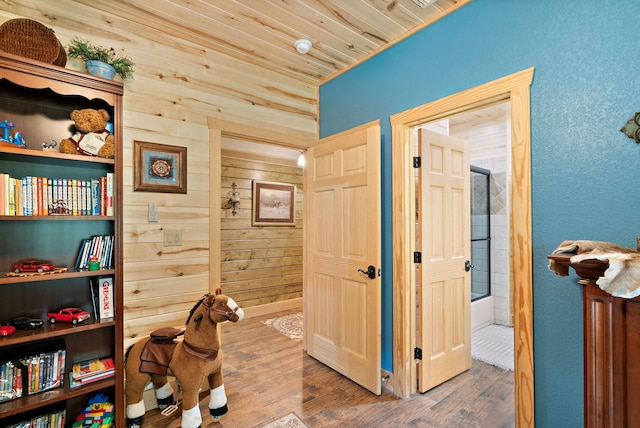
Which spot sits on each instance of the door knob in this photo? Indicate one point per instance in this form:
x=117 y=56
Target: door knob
x=370 y=272
x=468 y=266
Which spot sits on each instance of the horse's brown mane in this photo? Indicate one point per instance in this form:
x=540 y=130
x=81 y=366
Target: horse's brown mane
x=195 y=307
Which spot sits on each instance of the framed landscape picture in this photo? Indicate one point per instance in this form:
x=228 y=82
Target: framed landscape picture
x=159 y=168
x=273 y=204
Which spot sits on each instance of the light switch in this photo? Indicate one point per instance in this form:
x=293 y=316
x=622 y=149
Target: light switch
x=153 y=212
x=172 y=238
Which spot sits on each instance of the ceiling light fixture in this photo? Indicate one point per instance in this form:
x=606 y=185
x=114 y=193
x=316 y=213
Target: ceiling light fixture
x=303 y=46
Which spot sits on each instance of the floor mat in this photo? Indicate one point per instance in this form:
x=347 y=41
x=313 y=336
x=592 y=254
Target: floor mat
x=493 y=345
x=288 y=421
x=289 y=325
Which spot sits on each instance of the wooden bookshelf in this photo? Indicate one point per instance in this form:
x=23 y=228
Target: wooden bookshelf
x=38 y=99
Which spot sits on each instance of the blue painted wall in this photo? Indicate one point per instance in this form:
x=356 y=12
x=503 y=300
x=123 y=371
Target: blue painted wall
x=585 y=171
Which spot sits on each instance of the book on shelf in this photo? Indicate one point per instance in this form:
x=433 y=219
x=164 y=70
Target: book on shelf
x=92 y=370
x=102 y=297
x=6 y=194
x=30 y=374
x=110 y=184
x=38 y=196
x=73 y=382
x=99 y=246
x=95 y=196
x=49 y=420
x=94 y=366
x=4 y=197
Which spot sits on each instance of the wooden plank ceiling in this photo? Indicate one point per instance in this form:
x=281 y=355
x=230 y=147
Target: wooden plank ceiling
x=263 y=32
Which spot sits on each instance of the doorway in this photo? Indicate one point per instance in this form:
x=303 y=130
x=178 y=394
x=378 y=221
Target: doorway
x=516 y=89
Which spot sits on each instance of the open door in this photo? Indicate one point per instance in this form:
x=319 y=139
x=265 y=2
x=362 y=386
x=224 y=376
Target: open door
x=342 y=247
x=445 y=286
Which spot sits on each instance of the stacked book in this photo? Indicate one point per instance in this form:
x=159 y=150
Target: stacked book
x=93 y=370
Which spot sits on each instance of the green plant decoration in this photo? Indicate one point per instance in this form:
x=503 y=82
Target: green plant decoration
x=87 y=51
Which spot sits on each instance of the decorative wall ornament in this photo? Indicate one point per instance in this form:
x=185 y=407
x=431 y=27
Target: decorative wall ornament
x=234 y=199
x=273 y=204
x=632 y=128
x=159 y=168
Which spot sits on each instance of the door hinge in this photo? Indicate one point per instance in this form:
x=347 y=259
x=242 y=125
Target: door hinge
x=417 y=257
x=417 y=354
x=417 y=161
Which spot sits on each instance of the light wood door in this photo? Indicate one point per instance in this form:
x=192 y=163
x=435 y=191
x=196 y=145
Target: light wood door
x=342 y=239
x=445 y=288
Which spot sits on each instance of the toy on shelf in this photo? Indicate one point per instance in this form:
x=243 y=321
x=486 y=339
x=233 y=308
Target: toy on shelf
x=33 y=265
x=92 y=137
x=25 y=323
x=72 y=315
x=6 y=330
x=58 y=207
x=50 y=147
x=14 y=139
x=99 y=413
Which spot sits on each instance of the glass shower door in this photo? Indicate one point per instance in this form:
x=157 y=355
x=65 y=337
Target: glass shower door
x=480 y=233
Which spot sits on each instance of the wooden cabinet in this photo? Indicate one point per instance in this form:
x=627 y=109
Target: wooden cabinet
x=38 y=99
x=611 y=350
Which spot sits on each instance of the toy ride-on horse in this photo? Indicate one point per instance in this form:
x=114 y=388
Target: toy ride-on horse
x=197 y=356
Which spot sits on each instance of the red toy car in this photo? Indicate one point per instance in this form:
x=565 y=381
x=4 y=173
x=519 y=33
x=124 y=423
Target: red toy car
x=33 y=265
x=72 y=315
x=6 y=330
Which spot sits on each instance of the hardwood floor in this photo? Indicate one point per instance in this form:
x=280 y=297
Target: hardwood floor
x=268 y=375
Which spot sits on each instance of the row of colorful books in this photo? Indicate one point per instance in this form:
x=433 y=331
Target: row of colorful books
x=99 y=247
x=29 y=375
x=31 y=196
x=50 y=420
x=89 y=371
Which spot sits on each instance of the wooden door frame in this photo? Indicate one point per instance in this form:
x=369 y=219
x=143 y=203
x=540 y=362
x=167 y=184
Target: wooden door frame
x=516 y=88
x=219 y=128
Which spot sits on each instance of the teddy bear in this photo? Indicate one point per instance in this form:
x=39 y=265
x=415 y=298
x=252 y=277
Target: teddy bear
x=91 y=137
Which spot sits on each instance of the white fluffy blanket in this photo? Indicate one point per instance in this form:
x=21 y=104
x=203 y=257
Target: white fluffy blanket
x=621 y=279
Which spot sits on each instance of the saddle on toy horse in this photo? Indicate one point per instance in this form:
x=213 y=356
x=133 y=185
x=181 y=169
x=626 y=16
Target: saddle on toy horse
x=156 y=354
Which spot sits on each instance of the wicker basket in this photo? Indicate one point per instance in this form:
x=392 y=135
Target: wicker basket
x=31 y=39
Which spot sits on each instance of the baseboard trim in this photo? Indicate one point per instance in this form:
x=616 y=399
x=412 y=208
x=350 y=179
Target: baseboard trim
x=270 y=308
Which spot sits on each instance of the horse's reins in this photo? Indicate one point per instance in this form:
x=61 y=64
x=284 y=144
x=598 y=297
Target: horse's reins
x=226 y=314
x=207 y=354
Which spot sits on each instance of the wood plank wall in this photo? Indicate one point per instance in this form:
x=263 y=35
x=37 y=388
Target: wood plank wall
x=260 y=264
x=177 y=85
